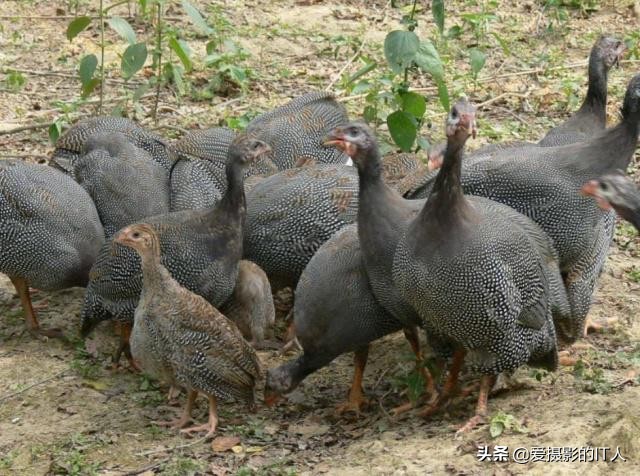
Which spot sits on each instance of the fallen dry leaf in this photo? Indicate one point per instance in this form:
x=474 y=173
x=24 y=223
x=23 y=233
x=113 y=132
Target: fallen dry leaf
x=224 y=443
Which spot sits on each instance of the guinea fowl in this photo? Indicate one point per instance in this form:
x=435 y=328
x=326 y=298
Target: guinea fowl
x=123 y=181
x=591 y=118
x=185 y=339
x=295 y=130
x=335 y=312
x=251 y=305
x=483 y=277
x=200 y=248
x=290 y=214
x=70 y=145
x=50 y=232
x=543 y=183
x=198 y=179
x=382 y=216
x=618 y=192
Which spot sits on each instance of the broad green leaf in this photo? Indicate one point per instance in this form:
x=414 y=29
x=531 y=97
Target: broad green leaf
x=369 y=114
x=88 y=65
x=437 y=8
x=496 y=428
x=414 y=104
x=122 y=27
x=403 y=130
x=88 y=88
x=367 y=68
x=196 y=17
x=133 y=59
x=428 y=60
x=140 y=91
x=400 y=48
x=143 y=5
x=182 y=50
x=477 y=59
x=423 y=143
x=55 y=130
x=443 y=94
x=77 y=26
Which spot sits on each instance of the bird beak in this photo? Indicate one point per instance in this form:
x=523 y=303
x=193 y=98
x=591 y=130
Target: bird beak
x=468 y=121
x=337 y=138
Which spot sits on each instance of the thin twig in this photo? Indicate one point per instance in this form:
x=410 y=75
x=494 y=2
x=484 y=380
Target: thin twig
x=173 y=448
x=347 y=64
x=134 y=472
x=28 y=127
x=14 y=394
x=59 y=74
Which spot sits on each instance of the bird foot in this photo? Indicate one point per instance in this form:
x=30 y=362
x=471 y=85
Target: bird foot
x=293 y=344
x=174 y=424
x=354 y=404
x=172 y=395
x=473 y=422
x=566 y=359
x=44 y=334
x=209 y=427
x=266 y=345
x=592 y=327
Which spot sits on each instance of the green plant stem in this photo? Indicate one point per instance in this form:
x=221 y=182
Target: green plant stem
x=101 y=58
x=159 y=65
x=413 y=10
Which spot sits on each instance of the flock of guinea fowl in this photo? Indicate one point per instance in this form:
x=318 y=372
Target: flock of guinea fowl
x=495 y=255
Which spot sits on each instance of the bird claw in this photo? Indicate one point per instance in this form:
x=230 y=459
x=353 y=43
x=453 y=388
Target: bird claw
x=355 y=405
x=471 y=424
x=208 y=427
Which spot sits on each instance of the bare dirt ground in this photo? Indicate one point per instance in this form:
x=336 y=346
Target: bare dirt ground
x=63 y=411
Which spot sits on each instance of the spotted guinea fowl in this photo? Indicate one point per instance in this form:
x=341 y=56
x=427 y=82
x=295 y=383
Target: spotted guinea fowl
x=382 y=216
x=290 y=214
x=124 y=182
x=618 y=192
x=543 y=183
x=295 y=130
x=200 y=248
x=591 y=118
x=70 y=145
x=482 y=277
x=50 y=232
x=335 y=312
x=198 y=178
x=251 y=304
x=192 y=343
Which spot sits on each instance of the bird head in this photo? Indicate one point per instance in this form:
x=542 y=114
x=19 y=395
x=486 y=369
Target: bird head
x=354 y=139
x=246 y=149
x=141 y=237
x=461 y=121
x=610 y=51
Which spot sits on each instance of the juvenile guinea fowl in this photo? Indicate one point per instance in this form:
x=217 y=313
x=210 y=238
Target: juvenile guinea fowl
x=251 y=304
x=335 y=312
x=50 y=232
x=200 y=248
x=124 y=182
x=198 y=179
x=70 y=145
x=191 y=343
x=618 y=192
x=295 y=131
x=591 y=118
x=543 y=183
x=481 y=276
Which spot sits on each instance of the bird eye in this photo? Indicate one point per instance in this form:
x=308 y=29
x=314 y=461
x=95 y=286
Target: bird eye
x=604 y=186
x=454 y=113
x=136 y=234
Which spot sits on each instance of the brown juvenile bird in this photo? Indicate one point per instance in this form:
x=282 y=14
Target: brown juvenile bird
x=180 y=338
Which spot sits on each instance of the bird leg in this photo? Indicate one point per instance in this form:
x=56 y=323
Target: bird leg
x=356 y=400
x=186 y=414
x=411 y=334
x=22 y=287
x=449 y=387
x=486 y=383
x=173 y=394
x=210 y=426
x=124 y=347
x=591 y=326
